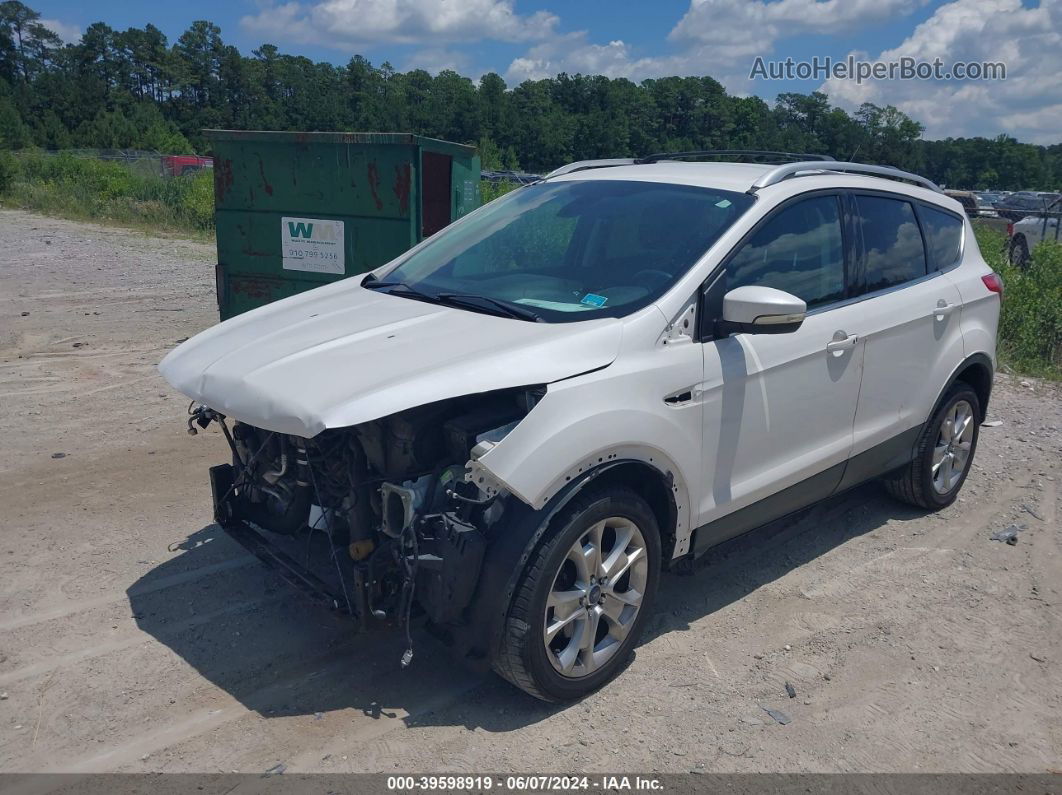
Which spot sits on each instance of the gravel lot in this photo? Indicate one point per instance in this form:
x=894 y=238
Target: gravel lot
x=134 y=636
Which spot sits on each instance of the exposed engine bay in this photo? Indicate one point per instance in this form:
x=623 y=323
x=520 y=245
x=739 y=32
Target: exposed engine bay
x=406 y=527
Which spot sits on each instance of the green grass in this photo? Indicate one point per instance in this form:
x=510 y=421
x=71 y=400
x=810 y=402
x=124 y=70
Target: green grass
x=1030 y=325
x=96 y=190
x=489 y=191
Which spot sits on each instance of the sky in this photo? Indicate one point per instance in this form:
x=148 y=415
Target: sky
x=639 y=39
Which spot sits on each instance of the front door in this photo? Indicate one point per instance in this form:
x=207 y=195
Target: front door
x=779 y=408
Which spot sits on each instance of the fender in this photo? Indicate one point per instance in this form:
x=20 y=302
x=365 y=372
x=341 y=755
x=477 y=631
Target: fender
x=983 y=386
x=513 y=537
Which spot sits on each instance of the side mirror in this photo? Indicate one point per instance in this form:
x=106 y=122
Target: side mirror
x=760 y=310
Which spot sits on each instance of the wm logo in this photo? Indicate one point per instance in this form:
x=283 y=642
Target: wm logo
x=300 y=229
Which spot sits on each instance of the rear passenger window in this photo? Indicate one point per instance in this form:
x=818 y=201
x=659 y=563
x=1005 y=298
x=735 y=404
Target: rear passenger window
x=943 y=233
x=892 y=243
x=799 y=251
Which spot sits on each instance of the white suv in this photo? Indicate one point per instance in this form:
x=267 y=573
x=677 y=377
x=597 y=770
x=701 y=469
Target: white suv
x=513 y=428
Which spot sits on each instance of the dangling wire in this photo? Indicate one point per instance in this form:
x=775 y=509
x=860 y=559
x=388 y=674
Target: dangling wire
x=331 y=541
x=410 y=588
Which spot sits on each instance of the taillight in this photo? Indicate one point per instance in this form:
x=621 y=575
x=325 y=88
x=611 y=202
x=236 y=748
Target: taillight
x=994 y=282
x=1010 y=229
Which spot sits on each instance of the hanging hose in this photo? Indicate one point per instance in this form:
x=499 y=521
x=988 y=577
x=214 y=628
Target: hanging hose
x=304 y=467
x=408 y=589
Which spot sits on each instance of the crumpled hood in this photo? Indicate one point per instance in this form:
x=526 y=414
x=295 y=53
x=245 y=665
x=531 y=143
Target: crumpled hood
x=341 y=355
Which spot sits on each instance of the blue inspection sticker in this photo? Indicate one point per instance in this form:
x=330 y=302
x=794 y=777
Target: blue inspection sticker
x=593 y=300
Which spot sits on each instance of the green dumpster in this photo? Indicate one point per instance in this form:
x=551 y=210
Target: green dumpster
x=298 y=210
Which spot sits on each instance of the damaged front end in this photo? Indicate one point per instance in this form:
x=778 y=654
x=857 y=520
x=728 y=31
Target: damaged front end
x=382 y=520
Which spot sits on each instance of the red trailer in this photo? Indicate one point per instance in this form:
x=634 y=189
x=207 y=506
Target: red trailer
x=179 y=165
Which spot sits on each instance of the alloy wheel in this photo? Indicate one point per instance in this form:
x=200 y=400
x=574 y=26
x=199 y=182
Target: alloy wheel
x=595 y=597
x=951 y=454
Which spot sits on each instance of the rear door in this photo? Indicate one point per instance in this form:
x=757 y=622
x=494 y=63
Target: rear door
x=778 y=408
x=909 y=319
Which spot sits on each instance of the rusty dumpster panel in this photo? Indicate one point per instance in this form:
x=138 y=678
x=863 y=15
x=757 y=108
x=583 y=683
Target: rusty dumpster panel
x=297 y=210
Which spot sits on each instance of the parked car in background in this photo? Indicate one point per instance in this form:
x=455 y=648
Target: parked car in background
x=180 y=165
x=516 y=177
x=986 y=203
x=967 y=199
x=1026 y=234
x=1021 y=203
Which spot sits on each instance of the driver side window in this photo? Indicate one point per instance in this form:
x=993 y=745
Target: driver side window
x=799 y=250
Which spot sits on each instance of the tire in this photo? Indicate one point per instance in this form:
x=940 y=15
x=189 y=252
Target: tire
x=925 y=482
x=1019 y=253
x=607 y=518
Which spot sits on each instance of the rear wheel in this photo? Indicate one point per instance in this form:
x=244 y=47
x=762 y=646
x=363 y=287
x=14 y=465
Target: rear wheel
x=1019 y=252
x=945 y=451
x=583 y=599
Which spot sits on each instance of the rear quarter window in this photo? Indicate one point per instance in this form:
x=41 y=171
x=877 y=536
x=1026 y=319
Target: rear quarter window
x=943 y=233
x=893 y=252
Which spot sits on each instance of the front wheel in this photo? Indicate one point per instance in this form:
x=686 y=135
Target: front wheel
x=584 y=597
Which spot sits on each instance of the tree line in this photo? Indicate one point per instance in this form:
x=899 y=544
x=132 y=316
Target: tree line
x=134 y=89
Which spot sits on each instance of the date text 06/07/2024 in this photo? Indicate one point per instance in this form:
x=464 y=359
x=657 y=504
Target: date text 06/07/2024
x=524 y=783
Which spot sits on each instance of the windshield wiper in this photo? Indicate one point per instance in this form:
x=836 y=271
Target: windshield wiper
x=504 y=307
x=465 y=300
x=402 y=288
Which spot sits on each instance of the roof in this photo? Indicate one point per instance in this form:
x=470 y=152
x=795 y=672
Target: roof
x=739 y=177
x=727 y=176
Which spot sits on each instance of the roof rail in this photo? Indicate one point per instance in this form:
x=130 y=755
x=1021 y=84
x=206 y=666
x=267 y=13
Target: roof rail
x=582 y=165
x=776 y=175
x=735 y=153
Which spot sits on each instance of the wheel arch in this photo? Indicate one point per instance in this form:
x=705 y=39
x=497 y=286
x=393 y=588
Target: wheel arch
x=977 y=371
x=520 y=531
x=657 y=488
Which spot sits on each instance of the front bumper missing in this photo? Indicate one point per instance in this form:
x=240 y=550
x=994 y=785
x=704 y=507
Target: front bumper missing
x=296 y=575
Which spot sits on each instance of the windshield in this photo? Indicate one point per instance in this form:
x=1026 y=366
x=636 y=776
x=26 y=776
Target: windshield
x=564 y=251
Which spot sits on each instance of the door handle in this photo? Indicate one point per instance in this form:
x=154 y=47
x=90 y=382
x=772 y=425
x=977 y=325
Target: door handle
x=943 y=309
x=841 y=342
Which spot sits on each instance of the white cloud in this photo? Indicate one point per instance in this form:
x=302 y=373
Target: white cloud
x=575 y=54
x=751 y=27
x=435 y=60
x=1027 y=105
x=714 y=37
x=70 y=34
x=344 y=24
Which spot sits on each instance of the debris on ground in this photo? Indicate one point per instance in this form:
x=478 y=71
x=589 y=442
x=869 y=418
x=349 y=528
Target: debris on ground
x=781 y=717
x=1009 y=534
x=992 y=424
x=276 y=770
x=58 y=455
x=1033 y=513
x=790 y=690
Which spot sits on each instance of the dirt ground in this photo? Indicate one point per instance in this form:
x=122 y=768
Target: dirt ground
x=135 y=636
